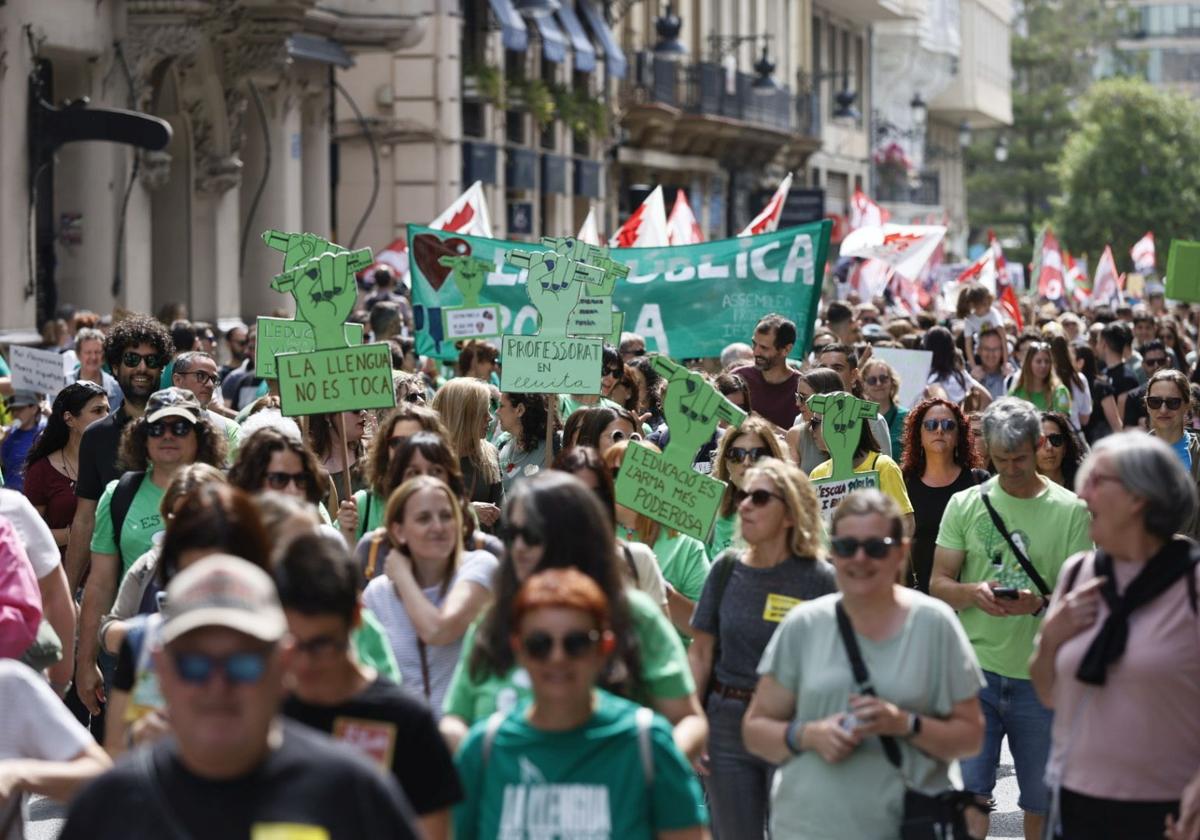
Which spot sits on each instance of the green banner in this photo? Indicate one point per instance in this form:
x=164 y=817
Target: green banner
x=688 y=301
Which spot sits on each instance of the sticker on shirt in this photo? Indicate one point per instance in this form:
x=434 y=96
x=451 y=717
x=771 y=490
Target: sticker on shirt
x=778 y=606
x=373 y=738
x=287 y=831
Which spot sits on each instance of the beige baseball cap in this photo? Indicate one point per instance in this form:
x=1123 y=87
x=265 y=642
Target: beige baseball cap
x=223 y=591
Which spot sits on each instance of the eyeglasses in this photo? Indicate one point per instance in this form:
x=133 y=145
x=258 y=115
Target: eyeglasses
x=801 y=400
x=280 y=480
x=238 y=668
x=1173 y=403
x=578 y=643
x=945 y=425
x=876 y=381
x=508 y=534
x=875 y=547
x=1055 y=439
x=739 y=454
x=1157 y=361
x=131 y=360
x=319 y=645
x=203 y=376
x=178 y=428
x=1094 y=478
x=761 y=497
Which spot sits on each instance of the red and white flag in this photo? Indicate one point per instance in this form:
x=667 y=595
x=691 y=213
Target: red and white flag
x=1079 y=287
x=768 y=220
x=983 y=271
x=1144 y=258
x=1106 y=285
x=589 y=231
x=468 y=214
x=682 y=227
x=906 y=248
x=394 y=256
x=1050 y=279
x=646 y=228
x=864 y=212
x=1006 y=295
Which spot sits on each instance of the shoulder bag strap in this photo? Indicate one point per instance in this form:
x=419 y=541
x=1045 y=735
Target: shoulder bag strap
x=890 y=748
x=373 y=557
x=424 y=668
x=144 y=761
x=723 y=568
x=629 y=562
x=1033 y=573
x=489 y=735
x=645 y=718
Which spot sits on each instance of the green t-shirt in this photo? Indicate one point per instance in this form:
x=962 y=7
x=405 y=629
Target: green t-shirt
x=1061 y=399
x=684 y=562
x=371 y=646
x=588 y=782
x=724 y=535
x=1050 y=527
x=370 y=512
x=141 y=523
x=665 y=670
x=926 y=667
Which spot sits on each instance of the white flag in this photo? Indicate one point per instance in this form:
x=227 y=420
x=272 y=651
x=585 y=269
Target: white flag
x=682 y=227
x=904 y=247
x=768 y=220
x=646 y=228
x=589 y=231
x=468 y=214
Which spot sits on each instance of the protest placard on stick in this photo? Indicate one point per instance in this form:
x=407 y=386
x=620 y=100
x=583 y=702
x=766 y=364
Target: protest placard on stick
x=841 y=416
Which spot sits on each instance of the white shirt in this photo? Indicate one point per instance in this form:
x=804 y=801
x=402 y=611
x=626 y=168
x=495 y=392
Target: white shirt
x=34 y=532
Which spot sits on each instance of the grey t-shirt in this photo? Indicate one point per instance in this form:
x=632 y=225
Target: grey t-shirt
x=754 y=602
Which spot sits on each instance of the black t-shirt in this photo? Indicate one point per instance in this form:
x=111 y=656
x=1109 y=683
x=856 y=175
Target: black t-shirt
x=1097 y=425
x=929 y=503
x=98 y=455
x=308 y=781
x=397 y=732
x=1135 y=408
x=1121 y=378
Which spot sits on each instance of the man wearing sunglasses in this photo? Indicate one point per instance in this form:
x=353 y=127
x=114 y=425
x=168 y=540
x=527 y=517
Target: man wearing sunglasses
x=1154 y=359
x=234 y=767
x=978 y=572
x=196 y=371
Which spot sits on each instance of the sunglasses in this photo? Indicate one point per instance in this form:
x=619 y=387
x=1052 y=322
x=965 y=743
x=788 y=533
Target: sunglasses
x=178 y=428
x=876 y=381
x=280 y=480
x=395 y=443
x=508 y=534
x=1156 y=362
x=578 y=643
x=132 y=360
x=1173 y=403
x=641 y=352
x=1056 y=439
x=619 y=436
x=203 y=376
x=415 y=397
x=739 y=454
x=238 y=668
x=319 y=645
x=944 y=425
x=875 y=547
x=761 y=498
x=614 y=371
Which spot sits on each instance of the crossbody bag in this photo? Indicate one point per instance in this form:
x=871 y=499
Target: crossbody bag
x=1026 y=565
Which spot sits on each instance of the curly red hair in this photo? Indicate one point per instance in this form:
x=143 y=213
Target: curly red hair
x=965 y=456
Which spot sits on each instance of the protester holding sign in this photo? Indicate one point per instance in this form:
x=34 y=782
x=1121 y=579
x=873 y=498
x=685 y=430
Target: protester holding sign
x=746 y=596
x=802 y=437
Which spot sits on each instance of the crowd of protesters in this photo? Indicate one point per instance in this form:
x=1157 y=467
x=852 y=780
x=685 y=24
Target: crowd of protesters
x=439 y=620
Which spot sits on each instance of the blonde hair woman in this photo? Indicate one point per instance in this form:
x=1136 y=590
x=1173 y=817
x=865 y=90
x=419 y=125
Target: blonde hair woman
x=463 y=406
x=431 y=590
x=881 y=384
x=738 y=451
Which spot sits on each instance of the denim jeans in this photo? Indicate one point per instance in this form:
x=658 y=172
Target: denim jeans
x=1011 y=707
x=738 y=784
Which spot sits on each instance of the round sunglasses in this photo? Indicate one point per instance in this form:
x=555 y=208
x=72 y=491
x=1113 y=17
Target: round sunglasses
x=944 y=425
x=178 y=428
x=576 y=644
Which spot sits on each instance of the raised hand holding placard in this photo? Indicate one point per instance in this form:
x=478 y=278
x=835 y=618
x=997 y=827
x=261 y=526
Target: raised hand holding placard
x=325 y=292
x=469 y=273
x=691 y=407
x=297 y=247
x=842 y=416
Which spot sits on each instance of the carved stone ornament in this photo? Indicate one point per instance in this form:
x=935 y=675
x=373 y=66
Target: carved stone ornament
x=155 y=169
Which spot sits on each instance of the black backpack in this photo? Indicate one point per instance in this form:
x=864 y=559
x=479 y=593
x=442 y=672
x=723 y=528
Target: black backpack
x=122 y=500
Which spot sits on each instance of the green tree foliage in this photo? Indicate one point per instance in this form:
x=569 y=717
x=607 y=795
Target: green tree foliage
x=1133 y=165
x=1054 y=51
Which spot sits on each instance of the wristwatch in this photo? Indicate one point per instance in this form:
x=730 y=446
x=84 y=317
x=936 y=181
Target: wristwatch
x=914 y=724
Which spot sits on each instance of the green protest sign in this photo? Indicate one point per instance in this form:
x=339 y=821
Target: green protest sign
x=665 y=487
x=1183 y=271
x=831 y=491
x=283 y=335
x=469 y=321
x=841 y=416
x=687 y=301
x=341 y=379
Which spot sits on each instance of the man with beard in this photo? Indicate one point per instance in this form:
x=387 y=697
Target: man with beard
x=772 y=383
x=136 y=350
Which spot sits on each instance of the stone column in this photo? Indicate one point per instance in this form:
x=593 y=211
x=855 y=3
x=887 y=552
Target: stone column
x=314 y=149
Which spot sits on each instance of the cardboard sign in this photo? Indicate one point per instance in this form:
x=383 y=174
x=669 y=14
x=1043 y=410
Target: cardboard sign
x=831 y=491
x=342 y=379
x=665 y=487
x=912 y=366
x=283 y=335
x=535 y=365
x=466 y=322
x=842 y=416
x=1183 y=271
x=43 y=371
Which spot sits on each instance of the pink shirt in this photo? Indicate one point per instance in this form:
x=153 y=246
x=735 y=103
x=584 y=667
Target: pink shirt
x=1139 y=735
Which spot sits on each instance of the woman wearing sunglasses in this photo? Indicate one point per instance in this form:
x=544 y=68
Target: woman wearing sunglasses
x=523 y=418
x=802 y=438
x=1038 y=383
x=683 y=559
x=397 y=426
x=1168 y=402
x=608 y=765
x=738 y=451
x=431 y=589
x=811 y=716
x=1059 y=453
x=553 y=521
x=272 y=459
x=940 y=459
x=745 y=597
x=606 y=426
x=881 y=384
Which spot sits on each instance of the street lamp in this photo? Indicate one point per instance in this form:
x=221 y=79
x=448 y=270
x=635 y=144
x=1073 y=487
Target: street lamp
x=843 y=100
x=1001 y=152
x=964 y=134
x=919 y=112
x=667 y=27
x=764 y=82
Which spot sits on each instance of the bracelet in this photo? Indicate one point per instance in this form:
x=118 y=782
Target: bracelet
x=791 y=736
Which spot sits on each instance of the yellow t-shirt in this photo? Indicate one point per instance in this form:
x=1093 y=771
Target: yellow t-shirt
x=891 y=480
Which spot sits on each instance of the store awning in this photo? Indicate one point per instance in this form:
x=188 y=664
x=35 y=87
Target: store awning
x=554 y=42
x=613 y=56
x=585 y=53
x=513 y=33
